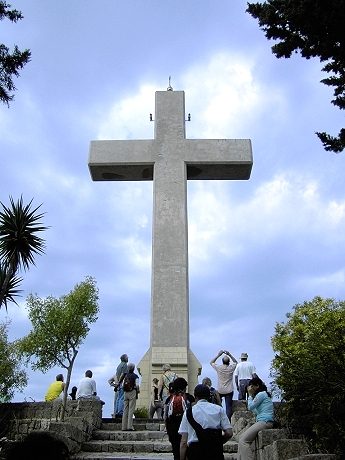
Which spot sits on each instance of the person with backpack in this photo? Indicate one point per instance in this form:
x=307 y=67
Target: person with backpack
x=175 y=406
x=204 y=428
x=166 y=378
x=131 y=389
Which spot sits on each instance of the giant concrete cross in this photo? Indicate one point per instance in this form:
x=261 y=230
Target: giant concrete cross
x=169 y=160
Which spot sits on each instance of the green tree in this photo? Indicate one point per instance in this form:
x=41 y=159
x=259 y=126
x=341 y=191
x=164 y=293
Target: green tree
x=19 y=243
x=10 y=62
x=313 y=28
x=308 y=369
x=59 y=327
x=12 y=377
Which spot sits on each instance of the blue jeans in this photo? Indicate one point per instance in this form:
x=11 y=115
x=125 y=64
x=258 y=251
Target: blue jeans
x=242 y=392
x=228 y=403
x=119 y=402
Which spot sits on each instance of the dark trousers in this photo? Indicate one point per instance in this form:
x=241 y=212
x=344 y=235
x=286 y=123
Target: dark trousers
x=173 y=424
x=228 y=403
x=242 y=392
x=197 y=452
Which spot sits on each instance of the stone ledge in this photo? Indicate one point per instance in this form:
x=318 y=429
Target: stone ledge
x=267 y=437
x=283 y=449
x=315 y=457
x=81 y=419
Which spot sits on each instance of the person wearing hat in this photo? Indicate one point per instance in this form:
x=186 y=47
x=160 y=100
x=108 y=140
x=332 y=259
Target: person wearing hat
x=244 y=372
x=225 y=372
x=206 y=415
x=166 y=378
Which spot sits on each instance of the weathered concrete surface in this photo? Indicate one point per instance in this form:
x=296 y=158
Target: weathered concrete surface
x=169 y=160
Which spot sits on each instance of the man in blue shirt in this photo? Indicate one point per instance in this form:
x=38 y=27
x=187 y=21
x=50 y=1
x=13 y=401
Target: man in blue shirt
x=121 y=370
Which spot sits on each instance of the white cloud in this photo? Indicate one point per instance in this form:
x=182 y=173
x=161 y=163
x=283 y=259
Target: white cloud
x=327 y=281
x=129 y=117
x=222 y=94
x=287 y=205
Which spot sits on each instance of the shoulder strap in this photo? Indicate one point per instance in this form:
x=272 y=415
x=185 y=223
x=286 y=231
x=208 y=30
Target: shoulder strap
x=197 y=427
x=167 y=380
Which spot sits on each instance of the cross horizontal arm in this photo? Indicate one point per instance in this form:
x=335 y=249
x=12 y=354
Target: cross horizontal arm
x=218 y=159
x=121 y=160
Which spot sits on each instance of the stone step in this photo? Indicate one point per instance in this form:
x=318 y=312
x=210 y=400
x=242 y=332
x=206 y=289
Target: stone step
x=149 y=441
x=108 y=435
x=315 y=457
x=128 y=446
x=112 y=456
x=126 y=456
x=131 y=446
x=138 y=425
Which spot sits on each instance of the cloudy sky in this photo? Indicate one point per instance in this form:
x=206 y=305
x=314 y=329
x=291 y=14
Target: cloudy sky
x=256 y=247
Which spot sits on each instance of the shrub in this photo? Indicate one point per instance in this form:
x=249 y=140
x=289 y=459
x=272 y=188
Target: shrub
x=141 y=412
x=308 y=370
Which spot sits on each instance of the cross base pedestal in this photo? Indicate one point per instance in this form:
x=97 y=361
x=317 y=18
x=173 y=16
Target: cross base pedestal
x=182 y=361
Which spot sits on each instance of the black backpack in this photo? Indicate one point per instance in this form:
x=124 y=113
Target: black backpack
x=129 y=382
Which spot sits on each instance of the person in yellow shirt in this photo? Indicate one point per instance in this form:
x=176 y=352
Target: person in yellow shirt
x=55 y=389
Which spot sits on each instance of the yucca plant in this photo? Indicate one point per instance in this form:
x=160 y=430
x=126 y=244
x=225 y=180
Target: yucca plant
x=19 y=243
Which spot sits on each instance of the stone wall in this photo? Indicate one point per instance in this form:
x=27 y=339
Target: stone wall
x=82 y=417
x=272 y=444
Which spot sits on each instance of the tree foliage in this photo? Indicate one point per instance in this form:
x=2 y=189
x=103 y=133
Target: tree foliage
x=12 y=377
x=308 y=368
x=59 y=327
x=19 y=243
x=10 y=62
x=313 y=28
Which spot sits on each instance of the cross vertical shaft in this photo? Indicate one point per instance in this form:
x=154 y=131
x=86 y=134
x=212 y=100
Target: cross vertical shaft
x=169 y=307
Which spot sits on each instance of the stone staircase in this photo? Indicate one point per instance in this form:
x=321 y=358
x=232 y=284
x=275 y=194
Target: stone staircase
x=100 y=438
x=149 y=441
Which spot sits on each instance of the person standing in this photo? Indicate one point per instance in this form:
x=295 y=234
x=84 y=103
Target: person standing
x=244 y=372
x=131 y=390
x=156 y=405
x=208 y=415
x=214 y=395
x=176 y=404
x=55 y=389
x=225 y=374
x=121 y=370
x=166 y=378
x=259 y=402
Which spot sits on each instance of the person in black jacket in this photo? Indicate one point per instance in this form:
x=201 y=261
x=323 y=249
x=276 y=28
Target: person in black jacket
x=175 y=405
